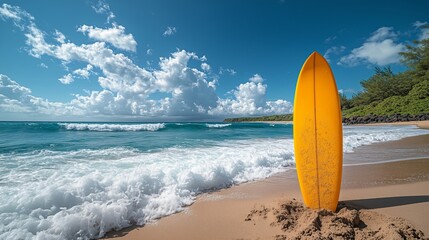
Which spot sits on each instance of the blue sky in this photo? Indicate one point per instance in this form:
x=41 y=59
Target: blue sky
x=187 y=60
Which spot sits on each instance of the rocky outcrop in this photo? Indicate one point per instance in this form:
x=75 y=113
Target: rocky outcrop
x=385 y=119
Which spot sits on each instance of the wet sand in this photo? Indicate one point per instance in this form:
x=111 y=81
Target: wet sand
x=420 y=124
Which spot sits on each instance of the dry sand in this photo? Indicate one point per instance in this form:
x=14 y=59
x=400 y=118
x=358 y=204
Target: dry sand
x=348 y=222
x=390 y=199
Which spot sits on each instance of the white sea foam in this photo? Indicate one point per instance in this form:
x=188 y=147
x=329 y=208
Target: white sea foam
x=355 y=136
x=84 y=193
x=218 y=125
x=104 y=127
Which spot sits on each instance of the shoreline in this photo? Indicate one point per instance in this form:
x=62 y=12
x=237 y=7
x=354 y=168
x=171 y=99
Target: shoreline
x=271 y=122
x=221 y=214
x=421 y=124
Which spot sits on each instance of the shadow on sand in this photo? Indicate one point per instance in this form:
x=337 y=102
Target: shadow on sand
x=384 y=202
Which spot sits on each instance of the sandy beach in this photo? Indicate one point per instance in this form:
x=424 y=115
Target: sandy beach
x=392 y=189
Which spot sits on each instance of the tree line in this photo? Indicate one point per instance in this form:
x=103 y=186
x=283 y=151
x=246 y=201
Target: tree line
x=386 y=93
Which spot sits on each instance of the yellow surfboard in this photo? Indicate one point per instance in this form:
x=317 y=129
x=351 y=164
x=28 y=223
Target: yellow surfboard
x=318 y=134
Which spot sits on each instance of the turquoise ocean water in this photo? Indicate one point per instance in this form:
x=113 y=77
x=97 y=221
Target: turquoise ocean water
x=80 y=180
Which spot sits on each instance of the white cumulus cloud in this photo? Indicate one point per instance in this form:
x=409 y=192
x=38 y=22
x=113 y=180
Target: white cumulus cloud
x=59 y=36
x=127 y=89
x=250 y=100
x=424 y=28
x=335 y=50
x=83 y=72
x=229 y=71
x=382 y=34
x=174 y=71
x=36 y=40
x=16 y=14
x=115 y=35
x=17 y=98
x=256 y=78
x=206 y=67
x=66 y=79
x=103 y=8
x=169 y=31
x=379 y=49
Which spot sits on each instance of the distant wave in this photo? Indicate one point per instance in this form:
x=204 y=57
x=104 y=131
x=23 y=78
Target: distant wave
x=112 y=127
x=218 y=125
x=128 y=127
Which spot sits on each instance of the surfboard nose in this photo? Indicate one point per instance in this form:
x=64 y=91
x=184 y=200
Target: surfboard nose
x=315 y=53
x=313 y=56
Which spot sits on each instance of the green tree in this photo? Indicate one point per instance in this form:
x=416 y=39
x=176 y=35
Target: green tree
x=376 y=88
x=420 y=91
x=417 y=59
x=386 y=93
x=344 y=101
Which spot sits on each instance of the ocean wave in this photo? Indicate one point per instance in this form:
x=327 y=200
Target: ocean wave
x=89 y=192
x=104 y=127
x=218 y=125
x=10 y=127
x=356 y=136
x=84 y=193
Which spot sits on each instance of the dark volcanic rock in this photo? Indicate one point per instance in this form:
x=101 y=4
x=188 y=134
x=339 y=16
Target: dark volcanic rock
x=387 y=119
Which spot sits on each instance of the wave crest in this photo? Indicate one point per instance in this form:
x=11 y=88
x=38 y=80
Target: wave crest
x=218 y=125
x=94 y=191
x=104 y=127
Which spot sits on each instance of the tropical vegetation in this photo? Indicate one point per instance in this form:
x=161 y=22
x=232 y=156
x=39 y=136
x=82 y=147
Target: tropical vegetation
x=385 y=95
